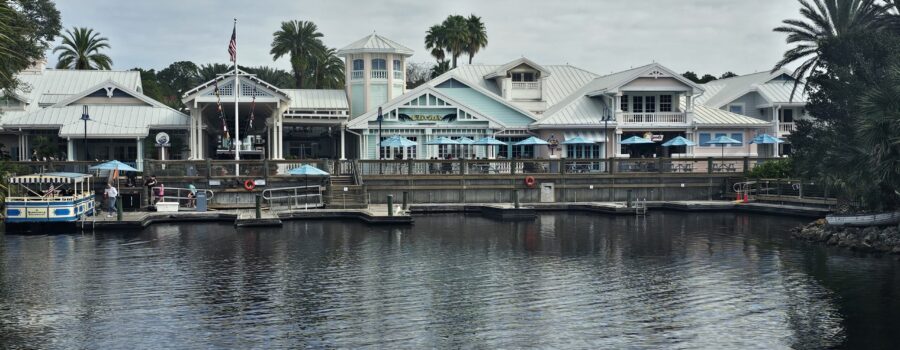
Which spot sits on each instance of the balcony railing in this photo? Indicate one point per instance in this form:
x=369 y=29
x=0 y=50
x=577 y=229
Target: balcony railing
x=356 y=75
x=655 y=118
x=526 y=85
x=786 y=128
x=379 y=74
x=398 y=74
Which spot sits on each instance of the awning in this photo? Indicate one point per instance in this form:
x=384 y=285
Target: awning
x=588 y=135
x=49 y=178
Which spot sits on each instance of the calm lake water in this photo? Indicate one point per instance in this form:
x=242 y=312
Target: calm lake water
x=670 y=280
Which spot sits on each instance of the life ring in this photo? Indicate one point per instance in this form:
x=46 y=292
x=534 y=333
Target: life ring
x=529 y=181
x=249 y=185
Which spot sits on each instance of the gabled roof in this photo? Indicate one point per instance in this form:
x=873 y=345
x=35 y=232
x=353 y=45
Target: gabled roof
x=364 y=119
x=564 y=80
x=317 y=99
x=723 y=91
x=107 y=120
x=502 y=70
x=108 y=85
x=713 y=117
x=611 y=83
x=374 y=43
x=192 y=93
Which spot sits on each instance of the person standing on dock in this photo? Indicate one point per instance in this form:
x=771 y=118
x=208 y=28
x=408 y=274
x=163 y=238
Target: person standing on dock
x=149 y=183
x=111 y=193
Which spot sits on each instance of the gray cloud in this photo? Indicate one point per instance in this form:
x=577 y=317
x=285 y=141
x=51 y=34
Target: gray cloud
x=598 y=35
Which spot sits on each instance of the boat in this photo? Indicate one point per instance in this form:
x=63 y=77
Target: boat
x=49 y=198
x=860 y=220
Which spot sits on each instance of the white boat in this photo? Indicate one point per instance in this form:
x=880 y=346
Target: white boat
x=49 y=198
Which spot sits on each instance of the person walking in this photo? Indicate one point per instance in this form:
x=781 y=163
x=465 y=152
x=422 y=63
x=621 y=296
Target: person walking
x=111 y=193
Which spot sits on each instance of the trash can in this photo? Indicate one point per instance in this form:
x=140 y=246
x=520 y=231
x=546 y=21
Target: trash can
x=201 y=200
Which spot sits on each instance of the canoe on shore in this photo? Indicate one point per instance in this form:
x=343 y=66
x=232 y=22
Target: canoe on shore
x=880 y=219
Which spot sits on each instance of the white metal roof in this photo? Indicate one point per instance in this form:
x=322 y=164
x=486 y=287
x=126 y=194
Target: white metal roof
x=723 y=91
x=708 y=116
x=374 y=43
x=53 y=85
x=502 y=70
x=561 y=82
x=317 y=99
x=112 y=121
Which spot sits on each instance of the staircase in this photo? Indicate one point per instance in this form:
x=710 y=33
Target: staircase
x=353 y=198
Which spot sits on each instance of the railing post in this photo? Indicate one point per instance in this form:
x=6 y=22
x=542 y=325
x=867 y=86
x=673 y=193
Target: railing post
x=208 y=169
x=512 y=167
x=746 y=165
x=611 y=165
x=266 y=170
x=258 y=207
x=628 y=198
x=462 y=166
x=409 y=166
x=515 y=196
x=390 y=204
x=118 y=209
x=709 y=165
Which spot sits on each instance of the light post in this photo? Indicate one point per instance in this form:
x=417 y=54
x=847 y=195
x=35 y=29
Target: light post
x=378 y=143
x=85 y=117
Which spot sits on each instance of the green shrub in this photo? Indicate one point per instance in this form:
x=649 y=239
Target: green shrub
x=775 y=169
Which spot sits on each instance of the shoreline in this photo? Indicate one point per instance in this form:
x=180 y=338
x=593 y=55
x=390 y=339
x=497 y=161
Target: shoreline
x=872 y=239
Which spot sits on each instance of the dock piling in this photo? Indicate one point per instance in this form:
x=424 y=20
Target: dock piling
x=405 y=200
x=258 y=207
x=390 y=204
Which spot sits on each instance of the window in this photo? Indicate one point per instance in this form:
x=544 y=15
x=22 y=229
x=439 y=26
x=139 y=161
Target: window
x=624 y=103
x=650 y=104
x=358 y=65
x=665 y=103
x=523 y=76
x=787 y=115
x=638 y=102
x=379 y=64
x=739 y=137
x=397 y=65
x=517 y=151
x=736 y=108
x=594 y=151
x=704 y=138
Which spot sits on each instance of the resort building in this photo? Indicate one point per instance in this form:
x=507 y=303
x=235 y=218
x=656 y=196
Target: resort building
x=510 y=102
x=765 y=96
x=520 y=99
x=46 y=111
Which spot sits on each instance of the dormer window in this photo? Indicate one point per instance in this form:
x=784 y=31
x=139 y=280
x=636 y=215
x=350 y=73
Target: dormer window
x=522 y=77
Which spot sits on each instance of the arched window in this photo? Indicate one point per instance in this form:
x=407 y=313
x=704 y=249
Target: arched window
x=358 y=64
x=379 y=64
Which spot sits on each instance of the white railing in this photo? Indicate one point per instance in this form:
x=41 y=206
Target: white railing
x=307 y=196
x=654 y=118
x=356 y=75
x=379 y=74
x=786 y=128
x=526 y=85
x=398 y=74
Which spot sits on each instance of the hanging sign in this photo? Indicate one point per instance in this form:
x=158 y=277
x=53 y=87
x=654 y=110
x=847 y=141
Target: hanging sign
x=426 y=117
x=162 y=140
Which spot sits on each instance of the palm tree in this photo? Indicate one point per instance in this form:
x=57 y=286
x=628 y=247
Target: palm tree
x=328 y=70
x=80 y=49
x=435 y=40
x=211 y=71
x=824 y=20
x=456 y=36
x=300 y=40
x=477 y=36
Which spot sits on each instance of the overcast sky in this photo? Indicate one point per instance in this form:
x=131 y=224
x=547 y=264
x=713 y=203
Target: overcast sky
x=603 y=36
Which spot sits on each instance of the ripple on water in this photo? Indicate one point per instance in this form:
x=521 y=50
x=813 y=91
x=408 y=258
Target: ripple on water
x=564 y=281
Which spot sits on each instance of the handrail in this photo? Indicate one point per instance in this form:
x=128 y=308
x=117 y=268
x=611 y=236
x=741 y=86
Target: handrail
x=209 y=196
x=266 y=194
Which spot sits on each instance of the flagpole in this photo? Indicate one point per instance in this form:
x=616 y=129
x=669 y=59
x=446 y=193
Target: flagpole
x=237 y=91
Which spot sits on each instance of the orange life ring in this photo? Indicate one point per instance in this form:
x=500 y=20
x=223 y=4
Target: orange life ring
x=529 y=181
x=249 y=185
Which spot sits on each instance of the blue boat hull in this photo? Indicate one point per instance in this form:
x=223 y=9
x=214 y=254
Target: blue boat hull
x=48 y=212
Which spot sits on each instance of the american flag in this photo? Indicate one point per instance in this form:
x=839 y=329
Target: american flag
x=232 y=45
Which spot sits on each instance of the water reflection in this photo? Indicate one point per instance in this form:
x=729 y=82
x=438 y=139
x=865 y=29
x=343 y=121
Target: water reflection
x=566 y=280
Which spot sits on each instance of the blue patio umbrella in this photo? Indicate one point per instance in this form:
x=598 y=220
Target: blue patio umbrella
x=635 y=140
x=113 y=165
x=442 y=141
x=766 y=139
x=531 y=141
x=488 y=142
x=577 y=140
x=465 y=141
x=397 y=141
x=723 y=140
x=307 y=170
x=678 y=141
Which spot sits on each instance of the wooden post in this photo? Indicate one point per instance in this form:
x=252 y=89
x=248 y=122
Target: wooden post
x=746 y=165
x=390 y=204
